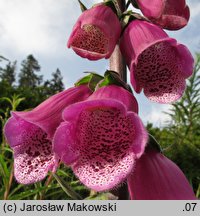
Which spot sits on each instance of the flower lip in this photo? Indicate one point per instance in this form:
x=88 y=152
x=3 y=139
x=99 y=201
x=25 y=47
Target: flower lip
x=89 y=54
x=99 y=136
x=90 y=42
x=33 y=156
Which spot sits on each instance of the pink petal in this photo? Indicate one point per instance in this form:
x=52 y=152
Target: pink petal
x=168 y=14
x=160 y=73
x=90 y=42
x=158 y=64
x=30 y=134
x=63 y=143
x=186 y=60
x=165 y=92
x=95 y=33
x=151 y=9
x=136 y=38
x=100 y=139
x=157 y=178
x=140 y=135
x=33 y=156
x=114 y=92
x=48 y=114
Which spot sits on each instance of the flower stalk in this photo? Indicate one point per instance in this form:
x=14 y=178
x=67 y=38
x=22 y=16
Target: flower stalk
x=117 y=63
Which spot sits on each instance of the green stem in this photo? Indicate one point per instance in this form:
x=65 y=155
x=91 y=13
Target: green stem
x=6 y=194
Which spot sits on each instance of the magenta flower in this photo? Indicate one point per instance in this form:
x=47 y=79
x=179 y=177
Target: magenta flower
x=158 y=178
x=30 y=135
x=168 y=14
x=96 y=33
x=101 y=137
x=157 y=63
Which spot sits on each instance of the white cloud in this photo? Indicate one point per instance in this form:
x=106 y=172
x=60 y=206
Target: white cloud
x=36 y=26
x=157 y=116
x=194 y=7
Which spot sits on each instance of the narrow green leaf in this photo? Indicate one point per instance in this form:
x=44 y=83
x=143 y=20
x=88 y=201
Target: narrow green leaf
x=16 y=189
x=3 y=167
x=66 y=188
x=102 y=196
x=82 y=6
x=26 y=194
x=129 y=16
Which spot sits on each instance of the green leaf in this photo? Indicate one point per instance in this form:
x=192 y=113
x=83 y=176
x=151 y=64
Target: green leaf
x=7 y=149
x=6 y=99
x=26 y=194
x=16 y=189
x=113 y=78
x=66 y=188
x=84 y=80
x=91 y=80
x=63 y=173
x=95 y=79
x=129 y=16
x=102 y=196
x=4 y=169
x=54 y=194
x=82 y=6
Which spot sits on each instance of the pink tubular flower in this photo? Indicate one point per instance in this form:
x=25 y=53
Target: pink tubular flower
x=158 y=64
x=158 y=178
x=168 y=14
x=30 y=135
x=96 y=33
x=101 y=137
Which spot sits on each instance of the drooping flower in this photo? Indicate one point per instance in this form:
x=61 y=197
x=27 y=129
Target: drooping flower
x=101 y=137
x=30 y=134
x=168 y=14
x=95 y=33
x=157 y=63
x=157 y=178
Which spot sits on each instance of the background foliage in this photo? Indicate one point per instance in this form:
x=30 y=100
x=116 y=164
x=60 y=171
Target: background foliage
x=180 y=139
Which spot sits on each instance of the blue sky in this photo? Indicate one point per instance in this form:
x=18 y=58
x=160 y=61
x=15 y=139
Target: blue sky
x=42 y=28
